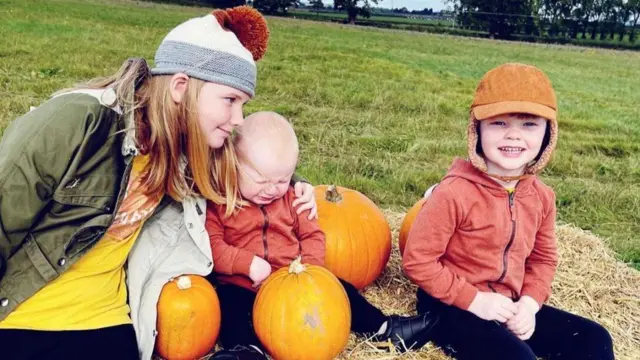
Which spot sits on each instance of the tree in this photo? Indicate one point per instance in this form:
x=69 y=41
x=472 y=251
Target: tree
x=225 y=4
x=585 y=10
x=634 y=11
x=623 y=16
x=274 y=6
x=218 y=4
x=316 y=4
x=599 y=12
x=609 y=16
x=556 y=12
x=353 y=8
x=501 y=18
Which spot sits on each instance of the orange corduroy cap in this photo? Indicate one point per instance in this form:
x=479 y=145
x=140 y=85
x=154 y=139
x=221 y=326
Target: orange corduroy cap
x=509 y=89
x=514 y=88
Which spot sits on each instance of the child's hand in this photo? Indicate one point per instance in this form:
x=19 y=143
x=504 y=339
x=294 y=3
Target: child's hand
x=491 y=306
x=523 y=324
x=305 y=200
x=259 y=270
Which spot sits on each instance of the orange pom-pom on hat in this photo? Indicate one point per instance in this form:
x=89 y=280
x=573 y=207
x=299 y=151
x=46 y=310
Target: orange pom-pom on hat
x=221 y=47
x=249 y=26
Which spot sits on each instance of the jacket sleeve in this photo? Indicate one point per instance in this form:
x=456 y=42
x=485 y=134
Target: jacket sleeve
x=312 y=240
x=227 y=259
x=540 y=266
x=35 y=152
x=297 y=178
x=427 y=243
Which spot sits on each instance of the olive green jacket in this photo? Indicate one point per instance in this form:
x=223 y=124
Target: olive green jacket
x=64 y=167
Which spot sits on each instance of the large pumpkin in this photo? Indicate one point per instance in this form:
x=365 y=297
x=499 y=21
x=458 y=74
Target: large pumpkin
x=188 y=318
x=409 y=218
x=302 y=312
x=358 y=237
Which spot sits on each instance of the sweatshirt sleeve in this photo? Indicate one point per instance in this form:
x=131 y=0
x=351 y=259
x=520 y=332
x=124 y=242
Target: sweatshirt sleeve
x=312 y=240
x=540 y=266
x=427 y=243
x=296 y=178
x=227 y=259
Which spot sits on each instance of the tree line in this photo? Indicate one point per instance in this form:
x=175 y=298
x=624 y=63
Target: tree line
x=605 y=22
x=570 y=19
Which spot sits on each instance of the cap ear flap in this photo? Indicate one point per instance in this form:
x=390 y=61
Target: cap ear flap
x=248 y=25
x=473 y=143
x=546 y=150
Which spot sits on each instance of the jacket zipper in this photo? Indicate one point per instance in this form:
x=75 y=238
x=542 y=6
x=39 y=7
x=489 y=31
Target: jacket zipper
x=511 y=238
x=264 y=233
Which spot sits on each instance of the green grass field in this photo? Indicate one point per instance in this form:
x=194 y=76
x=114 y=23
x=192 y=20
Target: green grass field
x=381 y=111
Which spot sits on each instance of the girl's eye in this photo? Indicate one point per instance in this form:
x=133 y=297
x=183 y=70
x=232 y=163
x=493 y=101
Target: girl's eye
x=230 y=100
x=530 y=123
x=497 y=123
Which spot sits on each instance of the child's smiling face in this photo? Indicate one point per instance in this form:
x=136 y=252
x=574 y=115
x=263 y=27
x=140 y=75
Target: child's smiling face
x=511 y=141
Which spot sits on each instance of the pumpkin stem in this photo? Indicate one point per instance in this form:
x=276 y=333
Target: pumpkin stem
x=297 y=266
x=333 y=195
x=184 y=283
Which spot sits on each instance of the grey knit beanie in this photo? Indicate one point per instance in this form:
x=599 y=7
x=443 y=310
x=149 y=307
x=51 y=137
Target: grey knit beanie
x=221 y=47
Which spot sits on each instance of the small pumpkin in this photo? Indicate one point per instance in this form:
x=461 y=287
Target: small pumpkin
x=409 y=218
x=188 y=318
x=302 y=312
x=358 y=237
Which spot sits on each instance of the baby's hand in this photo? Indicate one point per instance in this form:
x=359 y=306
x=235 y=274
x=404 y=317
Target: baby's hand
x=259 y=270
x=523 y=324
x=491 y=306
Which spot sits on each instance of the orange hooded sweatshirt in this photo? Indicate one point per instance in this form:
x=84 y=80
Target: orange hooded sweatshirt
x=473 y=235
x=273 y=232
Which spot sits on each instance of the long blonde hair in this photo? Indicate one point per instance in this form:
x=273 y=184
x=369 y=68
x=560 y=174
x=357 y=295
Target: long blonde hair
x=167 y=130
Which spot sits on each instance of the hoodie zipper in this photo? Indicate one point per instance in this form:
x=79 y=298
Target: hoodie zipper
x=264 y=233
x=511 y=238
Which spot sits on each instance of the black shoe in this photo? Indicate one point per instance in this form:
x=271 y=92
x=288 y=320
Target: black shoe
x=409 y=332
x=239 y=353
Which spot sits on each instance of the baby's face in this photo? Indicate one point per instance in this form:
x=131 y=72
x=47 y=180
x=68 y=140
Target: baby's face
x=265 y=178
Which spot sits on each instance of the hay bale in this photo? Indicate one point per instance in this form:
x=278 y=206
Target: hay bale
x=589 y=282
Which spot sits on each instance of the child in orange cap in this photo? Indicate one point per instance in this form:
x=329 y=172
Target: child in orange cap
x=483 y=247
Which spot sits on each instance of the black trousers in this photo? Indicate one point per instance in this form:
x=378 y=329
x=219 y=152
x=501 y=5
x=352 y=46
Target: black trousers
x=558 y=335
x=236 y=306
x=117 y=342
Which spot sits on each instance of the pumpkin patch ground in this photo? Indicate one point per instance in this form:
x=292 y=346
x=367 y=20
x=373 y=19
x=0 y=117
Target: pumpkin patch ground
x=590 y=282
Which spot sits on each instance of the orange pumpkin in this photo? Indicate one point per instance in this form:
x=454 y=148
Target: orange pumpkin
x=188 y=318
x=407 y=222
x=302 y=312
x=358 y=242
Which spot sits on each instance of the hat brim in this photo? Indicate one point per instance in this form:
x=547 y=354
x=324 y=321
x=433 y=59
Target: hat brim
x=482 y=112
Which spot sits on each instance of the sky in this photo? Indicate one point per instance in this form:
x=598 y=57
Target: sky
x=410 y=4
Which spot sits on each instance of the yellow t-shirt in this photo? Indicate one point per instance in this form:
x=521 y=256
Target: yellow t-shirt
x=92 y=293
